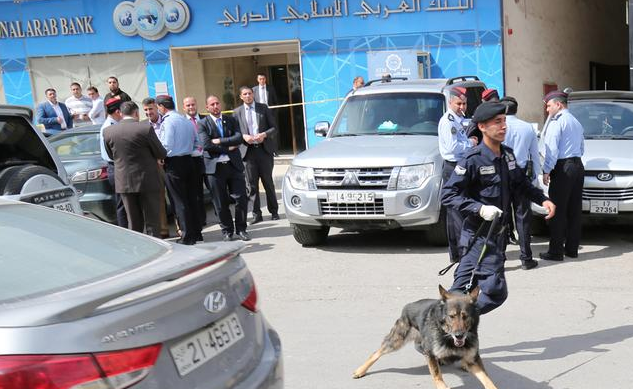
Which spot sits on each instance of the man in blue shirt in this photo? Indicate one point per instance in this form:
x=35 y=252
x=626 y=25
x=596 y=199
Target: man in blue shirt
x=521 y=138
x=453 y=144
x=179 y=139
x=481 y=188
x=564 y=145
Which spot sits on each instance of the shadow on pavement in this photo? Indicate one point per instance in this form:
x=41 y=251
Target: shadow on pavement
x=380 y=242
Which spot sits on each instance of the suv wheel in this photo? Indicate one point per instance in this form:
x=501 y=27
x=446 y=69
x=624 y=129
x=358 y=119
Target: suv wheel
x=436 y=235
x=310 y=236
x=13 y=178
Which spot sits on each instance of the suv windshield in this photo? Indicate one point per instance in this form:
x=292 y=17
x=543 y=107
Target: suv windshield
x=19 y=144
x=390 y=114
x=604 y=119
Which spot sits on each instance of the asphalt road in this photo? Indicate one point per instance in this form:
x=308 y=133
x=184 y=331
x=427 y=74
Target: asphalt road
x=564 y=325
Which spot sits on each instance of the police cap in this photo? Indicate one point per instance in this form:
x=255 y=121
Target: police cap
x=457 y=91
x=162 y=99
x=488 y=110
x=555 y=94
x=113 y=101
x=490 y=94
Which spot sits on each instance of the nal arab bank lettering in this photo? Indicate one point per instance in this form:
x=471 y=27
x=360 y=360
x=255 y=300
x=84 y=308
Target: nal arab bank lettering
x=46 y=27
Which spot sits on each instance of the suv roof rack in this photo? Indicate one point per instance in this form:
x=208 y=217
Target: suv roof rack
x=451 y=81
x=385 y=79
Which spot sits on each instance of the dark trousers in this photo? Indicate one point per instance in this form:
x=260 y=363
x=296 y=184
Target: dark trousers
x=523 y=220
x=143 y=212
x=489 y=274
x=180 y=182
x=565 y=191
x=454 y=219
x=121 y=215
x=259 y=166
x=227 y=183
x=198 y=163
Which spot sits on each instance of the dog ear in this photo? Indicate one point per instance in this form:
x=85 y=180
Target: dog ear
x=474 y=293
x=443 y=293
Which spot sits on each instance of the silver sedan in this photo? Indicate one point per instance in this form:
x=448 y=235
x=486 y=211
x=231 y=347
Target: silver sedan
x=84 y=304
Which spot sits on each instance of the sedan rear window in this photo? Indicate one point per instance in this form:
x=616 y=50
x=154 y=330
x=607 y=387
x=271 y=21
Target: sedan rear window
x=44 y=250
x=76 y=145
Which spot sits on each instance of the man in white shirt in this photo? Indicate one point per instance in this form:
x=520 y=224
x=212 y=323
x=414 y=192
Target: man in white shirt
x=190 y=105
x=97 y=114
x=79 y=105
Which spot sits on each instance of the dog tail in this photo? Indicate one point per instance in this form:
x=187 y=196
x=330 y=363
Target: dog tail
x=398 y=336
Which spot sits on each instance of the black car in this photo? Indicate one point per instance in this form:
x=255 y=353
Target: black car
x=79 y=151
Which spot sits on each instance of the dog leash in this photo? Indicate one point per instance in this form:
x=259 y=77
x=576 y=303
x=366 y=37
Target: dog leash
x=493 y=225
x=470 y=246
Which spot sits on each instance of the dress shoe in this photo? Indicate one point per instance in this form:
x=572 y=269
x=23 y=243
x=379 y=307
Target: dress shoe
x=528 y=264
x=227 y=237
x=257 y=219
x=275 y=216
x=186 y=242
x=243 y=235
x=551 y=257
x=571 y=255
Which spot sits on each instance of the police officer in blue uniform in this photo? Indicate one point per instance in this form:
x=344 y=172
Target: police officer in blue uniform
x=453 y=144
x=564 y=145
x=481 y=187
x=521 y=138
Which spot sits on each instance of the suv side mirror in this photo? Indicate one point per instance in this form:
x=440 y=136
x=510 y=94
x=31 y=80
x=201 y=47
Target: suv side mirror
x=321 y=128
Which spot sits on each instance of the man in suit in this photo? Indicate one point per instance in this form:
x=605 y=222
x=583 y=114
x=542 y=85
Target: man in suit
x=263 y=93
x=258 y=132
x=135 y=149
x=221 y=137
x=52 y=114
x=190 y=106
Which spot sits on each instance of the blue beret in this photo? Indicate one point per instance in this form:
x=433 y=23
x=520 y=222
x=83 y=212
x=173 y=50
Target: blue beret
x=487 y=110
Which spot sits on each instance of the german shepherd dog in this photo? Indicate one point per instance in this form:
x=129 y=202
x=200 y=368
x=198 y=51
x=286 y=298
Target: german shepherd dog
x=444 y=330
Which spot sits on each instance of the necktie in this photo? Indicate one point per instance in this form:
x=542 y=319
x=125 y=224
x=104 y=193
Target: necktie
x=249 y=119
x=195 y=123
x=218 y=123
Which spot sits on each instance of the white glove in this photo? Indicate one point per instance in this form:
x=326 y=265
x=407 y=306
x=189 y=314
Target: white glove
x=488 y=212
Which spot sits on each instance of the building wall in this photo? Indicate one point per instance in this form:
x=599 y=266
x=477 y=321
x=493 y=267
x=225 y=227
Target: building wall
x=554 y=41
x=3 y=100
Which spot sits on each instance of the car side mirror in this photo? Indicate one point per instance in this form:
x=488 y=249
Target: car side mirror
x=321 y=128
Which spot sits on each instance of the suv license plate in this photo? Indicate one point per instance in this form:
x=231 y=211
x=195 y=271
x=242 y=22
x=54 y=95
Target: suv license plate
x=65 y=206
x=208 y=343
x=604 y=206
x=351 y=197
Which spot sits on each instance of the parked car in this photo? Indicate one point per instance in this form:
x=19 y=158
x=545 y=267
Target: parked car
x=379 y=166
x=79 y=151
x=92 y=305
x=607 y=118
x=30 y=171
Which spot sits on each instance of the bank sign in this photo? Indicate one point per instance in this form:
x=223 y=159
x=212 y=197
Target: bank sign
x=46 y=27
x=151 y=19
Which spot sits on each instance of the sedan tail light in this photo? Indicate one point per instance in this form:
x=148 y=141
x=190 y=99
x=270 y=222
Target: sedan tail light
x=250 y=302
x=115 y=369
x=90 y=175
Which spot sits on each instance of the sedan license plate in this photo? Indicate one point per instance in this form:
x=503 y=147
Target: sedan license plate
x=208 y=343
x=351 y=197
x=65 y=206
x=604 y=206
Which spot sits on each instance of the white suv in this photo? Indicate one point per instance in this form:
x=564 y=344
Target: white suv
x=380 y=166
x=30 y=171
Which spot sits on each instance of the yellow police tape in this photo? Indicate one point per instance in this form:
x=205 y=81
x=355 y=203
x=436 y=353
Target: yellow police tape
x=295 y=104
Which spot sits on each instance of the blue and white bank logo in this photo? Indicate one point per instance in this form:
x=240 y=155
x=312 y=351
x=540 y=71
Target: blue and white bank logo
x=151 y=19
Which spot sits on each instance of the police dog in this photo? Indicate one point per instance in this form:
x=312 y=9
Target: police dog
x=444 y=330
